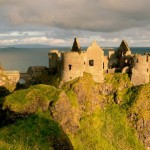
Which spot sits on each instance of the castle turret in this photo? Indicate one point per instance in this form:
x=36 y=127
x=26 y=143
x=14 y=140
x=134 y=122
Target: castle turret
x=76 y=46
x=140 y=70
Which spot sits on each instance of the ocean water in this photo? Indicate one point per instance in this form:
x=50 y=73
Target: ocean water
x=21 y=58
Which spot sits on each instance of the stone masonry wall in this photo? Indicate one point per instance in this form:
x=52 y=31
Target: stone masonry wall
x=54 y=56
x=105 y=63
x=140 y=71
x=72 y=65
x=95 y=53
x=149 y=63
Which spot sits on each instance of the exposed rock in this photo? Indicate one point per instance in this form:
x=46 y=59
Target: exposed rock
x=65 y=114
x=106 y=89
x=140 y=115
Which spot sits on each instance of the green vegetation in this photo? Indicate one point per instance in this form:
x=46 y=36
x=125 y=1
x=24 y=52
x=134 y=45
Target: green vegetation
x=98 y=116
x=106 y=129
x=31 y=99
x=33 y=133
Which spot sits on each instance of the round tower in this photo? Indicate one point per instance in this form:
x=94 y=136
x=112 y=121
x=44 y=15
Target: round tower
x=72 y=66
x=140 y=70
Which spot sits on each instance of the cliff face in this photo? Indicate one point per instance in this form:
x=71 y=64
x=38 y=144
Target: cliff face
x=88 y=115
x=140 y=114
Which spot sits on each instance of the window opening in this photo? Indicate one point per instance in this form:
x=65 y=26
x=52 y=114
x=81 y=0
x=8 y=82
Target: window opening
x=70 y=66
x=91 y=62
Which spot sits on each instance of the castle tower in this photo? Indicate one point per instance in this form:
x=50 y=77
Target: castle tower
x=76 y=46
x=140 y=70
x=74 y=64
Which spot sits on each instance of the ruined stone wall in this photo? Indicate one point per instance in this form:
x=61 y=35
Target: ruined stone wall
x=95 y=54
x=123 y=49
x=13 y=76
x=125 y=61
x=111 y=53
x=112 y=59
x=105 y=63
x=54 y=57
x=73 y=65
x=148 y=63
x=140 y=71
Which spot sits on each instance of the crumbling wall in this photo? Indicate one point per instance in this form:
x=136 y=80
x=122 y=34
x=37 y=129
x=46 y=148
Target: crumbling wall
x=95 y=59
x=105 y=64
x=54 y=58
x=112 y=60
x=140 y=71
x=13 y=76
x=148 y=57
x=91 y=61
x=123 y=49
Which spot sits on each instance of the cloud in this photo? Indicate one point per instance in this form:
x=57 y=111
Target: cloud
x=55 y=22
x=33 y=40
x=95 y=15
x=41 y=40
x=61 y=37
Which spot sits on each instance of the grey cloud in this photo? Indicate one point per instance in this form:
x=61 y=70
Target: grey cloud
x=95 y=15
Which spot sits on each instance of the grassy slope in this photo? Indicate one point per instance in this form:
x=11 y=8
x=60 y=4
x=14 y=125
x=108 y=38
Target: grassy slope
x=104 y=128
x=108 y=128
x=33 y=132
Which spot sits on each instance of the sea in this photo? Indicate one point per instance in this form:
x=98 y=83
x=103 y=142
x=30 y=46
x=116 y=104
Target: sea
x=20 y=59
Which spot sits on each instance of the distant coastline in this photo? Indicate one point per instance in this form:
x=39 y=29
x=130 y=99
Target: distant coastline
x=20 y=59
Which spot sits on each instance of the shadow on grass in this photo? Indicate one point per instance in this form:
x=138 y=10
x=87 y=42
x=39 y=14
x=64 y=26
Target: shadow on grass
x=35 y=132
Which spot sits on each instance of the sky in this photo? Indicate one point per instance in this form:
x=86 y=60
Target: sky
x=58 y=22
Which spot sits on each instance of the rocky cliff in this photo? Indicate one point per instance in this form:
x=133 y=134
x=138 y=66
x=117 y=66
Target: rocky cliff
x=81 y=115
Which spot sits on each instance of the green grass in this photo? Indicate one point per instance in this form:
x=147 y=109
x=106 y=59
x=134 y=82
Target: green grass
x=118 y=81
x=102 y=127
x=72 y=97
x=31 y=99
x=106 y=130
x=31 y=133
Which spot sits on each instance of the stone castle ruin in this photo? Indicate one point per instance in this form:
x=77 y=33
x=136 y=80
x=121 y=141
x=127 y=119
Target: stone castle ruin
x=72 y=64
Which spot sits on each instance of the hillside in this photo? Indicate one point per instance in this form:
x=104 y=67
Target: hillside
x=81 y=115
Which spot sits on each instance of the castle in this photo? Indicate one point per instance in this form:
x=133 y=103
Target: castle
x=70 y=65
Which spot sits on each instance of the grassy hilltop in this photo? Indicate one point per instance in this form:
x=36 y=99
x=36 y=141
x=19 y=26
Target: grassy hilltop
x=81 y=115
